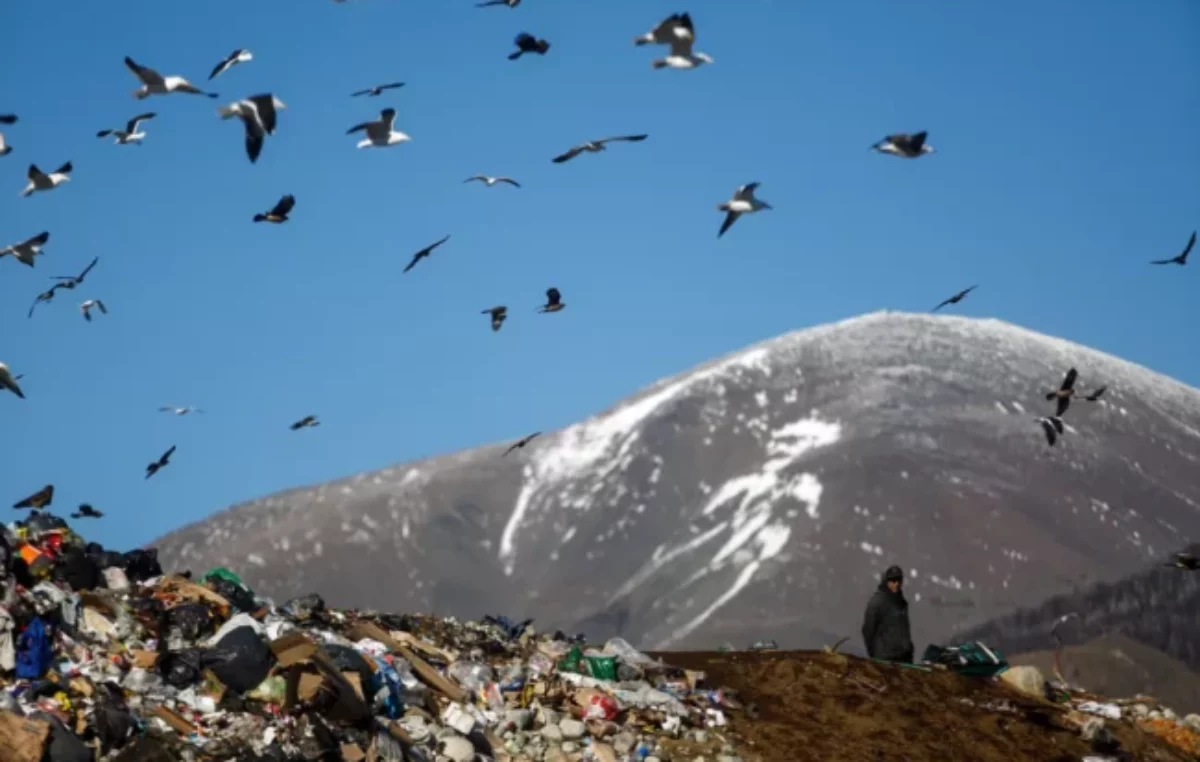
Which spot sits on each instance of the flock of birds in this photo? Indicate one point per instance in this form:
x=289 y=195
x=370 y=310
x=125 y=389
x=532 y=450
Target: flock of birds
x=259 y=115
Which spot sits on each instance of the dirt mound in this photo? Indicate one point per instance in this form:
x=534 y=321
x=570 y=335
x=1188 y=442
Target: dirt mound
x=810 y=705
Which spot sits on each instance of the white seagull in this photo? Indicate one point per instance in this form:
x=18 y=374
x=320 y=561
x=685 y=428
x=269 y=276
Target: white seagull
x=904 y=146
x=490 y=181
x=258 y=114
x=241 y=55
x=130 y=134
x=681 y=56
x=86 y=308
x=154 y=83
x=674 y=27
x=6 y=149
x=595 y=146
x=179 y=410
x=743 y=202
x=40 y=181
x=25 y=251
x=8 y=382
x=380 y=134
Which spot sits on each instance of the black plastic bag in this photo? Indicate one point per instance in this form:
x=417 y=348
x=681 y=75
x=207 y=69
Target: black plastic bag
x=114 y=726
x=346 y=659
x=78 y=570
x=241 y=660
x=141 y=565
x=64 y=745
x=145 y=750
x=305 y=607
x=239 y=597
x=192 y=619
x=181 y=668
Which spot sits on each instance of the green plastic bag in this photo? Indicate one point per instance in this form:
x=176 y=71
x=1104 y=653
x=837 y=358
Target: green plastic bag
x=570 y=662
x=602 y=667
x=225 y=574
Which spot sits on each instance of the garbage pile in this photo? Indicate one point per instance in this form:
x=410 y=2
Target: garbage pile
x=1092 y=715
x=105 y=657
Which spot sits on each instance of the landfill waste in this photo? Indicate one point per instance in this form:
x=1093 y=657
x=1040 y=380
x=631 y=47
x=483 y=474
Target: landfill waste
x=103 y=656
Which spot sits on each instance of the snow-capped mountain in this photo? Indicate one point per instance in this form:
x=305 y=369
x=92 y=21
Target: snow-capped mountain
x=761 y=495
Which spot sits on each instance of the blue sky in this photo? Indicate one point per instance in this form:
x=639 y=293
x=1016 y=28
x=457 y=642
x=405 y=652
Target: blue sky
x=1067 y=158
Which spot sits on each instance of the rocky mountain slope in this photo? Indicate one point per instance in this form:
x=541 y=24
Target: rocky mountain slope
x=760 y=496
x=1158 y=608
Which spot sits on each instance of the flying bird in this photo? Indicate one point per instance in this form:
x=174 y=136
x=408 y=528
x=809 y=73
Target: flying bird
x=130 y=134
x=520 y=443
x=86 y=511
x=595 y=146
x=743 y=202
x=1064 y=392
x=527 y=43
x=25 y=251
x=1053 y=427
x=553 y=301
x=86 y=308
x=371 y=92
x=674 y=27
x=154 y=83
x=5 y=148
x=904 y=145
x=509 y=3
x=490 y=181
x=71 y=281
x=682 y=38
x=40 y=181
x=281 y=211
x=241 y=55
x=1185 y=561
x=956 y=298
x=1183 y=255
x=46 y=296
x=380 y=133
x=307 y=421
x=1095 y=395
x=179 y=410
x=161 y=463
x=38 y=500
x=8 y=382
x=424 y=253
x=499 y=315
x=259 y=114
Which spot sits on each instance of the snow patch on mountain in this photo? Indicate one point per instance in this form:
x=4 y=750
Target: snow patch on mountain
x=602 y=444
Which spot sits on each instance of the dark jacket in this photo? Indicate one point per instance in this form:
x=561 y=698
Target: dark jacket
x=885 y=628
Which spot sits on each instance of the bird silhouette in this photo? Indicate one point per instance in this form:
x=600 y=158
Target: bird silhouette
x=38 y=500
x=161 y=463
x=499 y=315
x=307 y=421
x=520 y=443
x=553 y=301
x=956 y=298
x=424 y=253
x=1181 y=259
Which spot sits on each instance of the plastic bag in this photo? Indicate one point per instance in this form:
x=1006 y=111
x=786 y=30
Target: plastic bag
x=180 y=668
x=141 y=565
x=471 y=675
x=192 y=619
x=238 y=596
x=304 y=607
x=241 y=660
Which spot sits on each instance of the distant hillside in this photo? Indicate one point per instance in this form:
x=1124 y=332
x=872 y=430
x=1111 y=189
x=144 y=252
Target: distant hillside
x=1158 y=608
x=1118 y=666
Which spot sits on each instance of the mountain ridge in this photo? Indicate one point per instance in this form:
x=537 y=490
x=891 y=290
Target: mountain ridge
x=783 y=462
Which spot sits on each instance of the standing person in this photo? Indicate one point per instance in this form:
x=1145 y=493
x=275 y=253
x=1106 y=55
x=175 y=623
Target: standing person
x=885 y=627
